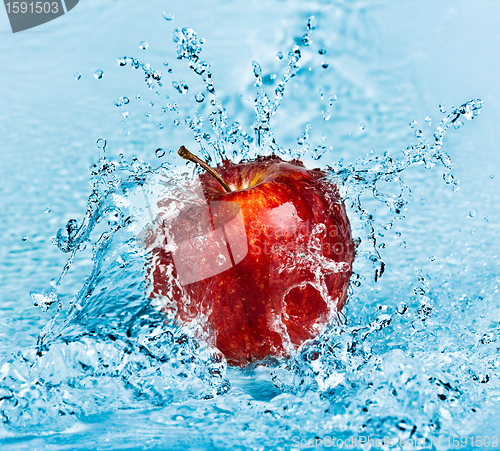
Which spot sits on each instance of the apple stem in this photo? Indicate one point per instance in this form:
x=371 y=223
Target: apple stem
x=187 y=155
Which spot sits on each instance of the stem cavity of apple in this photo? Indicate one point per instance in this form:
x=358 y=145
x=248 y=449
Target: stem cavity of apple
x=187 y=155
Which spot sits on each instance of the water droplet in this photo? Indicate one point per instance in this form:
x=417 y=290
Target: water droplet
x=200 y=97
x=168 y=16
x=432 y=258
x=472 y=213
x=177 y=122
x=418 y=133
x=159 y=152
x=25 y=238
x=492 y=176
x=160 y=125
x=332 y=99
x=324 y=65
x=362 y=126
x=48 y=209
x=442 y=108
x=125 y=114
x=403 y=244
x=98 y=74
x=279 y=56
x=147 y=114
x=306 y=40
x=170 y=71
x=221 y=259
x=122 y=61
x=458 y=124
x=127 y=132
x=311 y=23
x=486 y=218
x=181 y=86
x=113 y=216
x=428 y=120
x=326 y=115
x=122 y=101
x=397 y=235
x=423 y=201
x=143 y=45
x=101 y=143
x=412 y=124
x=77 y=76
x=321 y=51
x=137 y=97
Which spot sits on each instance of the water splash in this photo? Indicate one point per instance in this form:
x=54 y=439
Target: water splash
x=114 y=350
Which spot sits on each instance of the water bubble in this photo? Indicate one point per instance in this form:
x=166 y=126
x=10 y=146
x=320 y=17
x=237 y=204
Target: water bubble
x=418 y=133
x=432 y=258
x=492 y=176
x=200 y=97
x=159 y=152
x=397 y=235
x=125 y=114
x=428 y=120
x=137 y=97
x=324 y=65
x=412 y=124
x=442 y=108
x=321 y=51
x=77 y=76
x=160 y=125
x=332 y=99
x=177 y=122
x=458 y=124
x=48 y=209
x=143 y=45
x=122 y=61
x=101 y=143
x=423 y=201
x=168 y=16
x=147 y=114
x=472 y=213
x=98 y=74
x=403 y=244
x=25 y=238
x=127 y=132
x=311 y=23
x=362 y=126
x=279 y=56
x=170 y=71
x=326 y=115
x=486 y=218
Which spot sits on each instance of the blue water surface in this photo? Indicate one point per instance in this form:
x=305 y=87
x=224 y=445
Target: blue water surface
x=417 y=357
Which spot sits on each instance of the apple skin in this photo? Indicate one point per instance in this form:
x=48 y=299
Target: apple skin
x=293 y=273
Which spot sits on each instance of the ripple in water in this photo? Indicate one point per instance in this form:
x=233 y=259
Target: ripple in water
x=404 y=369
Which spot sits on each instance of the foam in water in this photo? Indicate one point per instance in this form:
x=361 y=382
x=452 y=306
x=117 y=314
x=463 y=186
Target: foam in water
x=391 y=371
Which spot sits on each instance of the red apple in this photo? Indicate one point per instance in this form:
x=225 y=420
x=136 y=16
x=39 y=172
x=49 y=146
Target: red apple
x=261 y=268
